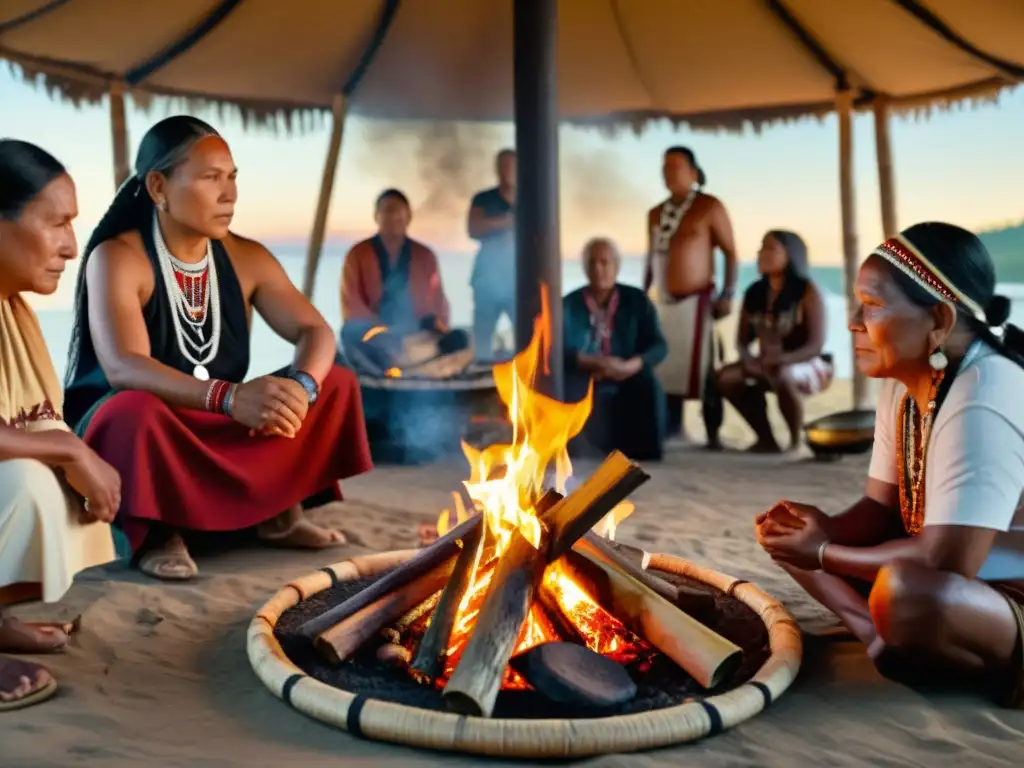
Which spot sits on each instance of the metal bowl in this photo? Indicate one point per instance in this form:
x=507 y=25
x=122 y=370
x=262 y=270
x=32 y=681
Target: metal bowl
x=839 y=434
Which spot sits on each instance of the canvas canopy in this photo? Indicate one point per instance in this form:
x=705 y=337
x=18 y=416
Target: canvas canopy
x=707 y=62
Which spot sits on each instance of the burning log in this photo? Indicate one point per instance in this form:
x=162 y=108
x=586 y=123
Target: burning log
x=473 y=687
x=430 y=655
x=393 y=633
x=700 y=605
x=338 y=642
x=706 y=656
x=444 y=549
x=581 y=510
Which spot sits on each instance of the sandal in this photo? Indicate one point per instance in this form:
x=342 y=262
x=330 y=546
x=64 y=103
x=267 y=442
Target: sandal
x=169 y=562
x=15 y=674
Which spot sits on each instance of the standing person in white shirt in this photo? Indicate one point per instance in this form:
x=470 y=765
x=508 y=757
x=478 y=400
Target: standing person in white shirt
x=937 y=542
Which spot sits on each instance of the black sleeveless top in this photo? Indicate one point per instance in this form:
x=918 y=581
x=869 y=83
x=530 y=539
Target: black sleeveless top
x=89 y=384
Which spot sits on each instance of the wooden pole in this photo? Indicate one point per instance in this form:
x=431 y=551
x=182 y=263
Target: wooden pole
x=119 y=133
x=886 y=180
x=339 y=109
x=538 y=243
x=851 y=257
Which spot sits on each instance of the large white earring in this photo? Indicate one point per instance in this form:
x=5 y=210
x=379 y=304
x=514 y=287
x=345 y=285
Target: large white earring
x=938 y=360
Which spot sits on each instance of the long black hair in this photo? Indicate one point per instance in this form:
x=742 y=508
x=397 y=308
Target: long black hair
x=163 y=149
x=25 y=170
x=794 y=285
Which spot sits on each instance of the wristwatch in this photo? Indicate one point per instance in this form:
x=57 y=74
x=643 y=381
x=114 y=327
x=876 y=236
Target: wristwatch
x=307 y=382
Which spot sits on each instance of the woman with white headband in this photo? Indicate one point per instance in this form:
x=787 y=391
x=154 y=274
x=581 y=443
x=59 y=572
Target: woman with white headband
x=927 y=569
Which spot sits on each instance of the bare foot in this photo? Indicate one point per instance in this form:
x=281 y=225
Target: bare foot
x=294 y=530
x=36 y=637
x=169 y=561
x=23 y=684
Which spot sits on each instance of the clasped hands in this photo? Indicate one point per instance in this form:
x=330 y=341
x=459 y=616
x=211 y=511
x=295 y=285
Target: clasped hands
x=793 y=534
x=610 y=368
x=270 y=405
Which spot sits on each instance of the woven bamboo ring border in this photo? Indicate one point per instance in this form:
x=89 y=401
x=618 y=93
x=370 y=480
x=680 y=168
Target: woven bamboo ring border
x=386 y=721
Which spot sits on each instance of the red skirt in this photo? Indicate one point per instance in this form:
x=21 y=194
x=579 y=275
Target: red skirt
x=199 y=471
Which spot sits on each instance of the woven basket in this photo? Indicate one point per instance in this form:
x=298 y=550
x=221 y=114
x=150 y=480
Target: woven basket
x=551 y=738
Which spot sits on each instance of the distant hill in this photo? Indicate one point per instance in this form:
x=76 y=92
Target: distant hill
x=1007 y=248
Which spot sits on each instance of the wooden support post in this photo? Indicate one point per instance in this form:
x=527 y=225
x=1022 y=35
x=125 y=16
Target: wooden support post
x=538 y=243
x=339 y=110
x=851 y=257
x=119 y=133
x=886 y=181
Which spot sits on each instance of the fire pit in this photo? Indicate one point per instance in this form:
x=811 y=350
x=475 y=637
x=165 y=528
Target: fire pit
x=384 y=703
x=524 y=629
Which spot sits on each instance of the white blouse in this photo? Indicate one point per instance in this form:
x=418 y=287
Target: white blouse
x=974 y=473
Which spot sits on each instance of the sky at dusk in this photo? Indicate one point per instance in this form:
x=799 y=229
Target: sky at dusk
x=964 y=166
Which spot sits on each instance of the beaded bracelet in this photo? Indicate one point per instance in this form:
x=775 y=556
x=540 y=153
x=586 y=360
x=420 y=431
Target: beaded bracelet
x=215 y=395
x=229 y=401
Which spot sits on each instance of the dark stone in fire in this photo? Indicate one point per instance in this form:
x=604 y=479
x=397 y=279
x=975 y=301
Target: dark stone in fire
x=569 y=673
x=661 y=685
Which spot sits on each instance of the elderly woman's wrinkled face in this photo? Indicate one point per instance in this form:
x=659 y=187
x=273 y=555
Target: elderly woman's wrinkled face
x=201 y=192
x=602 y=267
x=772 y=259
x=893 y=337
x=36 y=247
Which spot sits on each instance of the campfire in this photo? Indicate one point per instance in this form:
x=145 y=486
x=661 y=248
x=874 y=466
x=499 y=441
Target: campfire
x=525 y=586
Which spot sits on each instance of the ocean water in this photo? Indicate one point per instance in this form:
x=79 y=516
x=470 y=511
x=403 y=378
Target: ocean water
x=268 y=352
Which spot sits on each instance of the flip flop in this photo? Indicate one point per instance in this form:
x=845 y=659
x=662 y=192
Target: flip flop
x=163 y=565
x=9 y=668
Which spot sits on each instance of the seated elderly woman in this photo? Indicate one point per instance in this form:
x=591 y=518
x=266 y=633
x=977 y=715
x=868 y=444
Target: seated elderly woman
x=392 y=298
x=784 y=313
x=612 y=337
x=937 y=542
x=56 y=495
x=159 y=355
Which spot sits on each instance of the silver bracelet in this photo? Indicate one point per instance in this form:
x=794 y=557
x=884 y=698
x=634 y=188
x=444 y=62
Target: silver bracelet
x=821 y=553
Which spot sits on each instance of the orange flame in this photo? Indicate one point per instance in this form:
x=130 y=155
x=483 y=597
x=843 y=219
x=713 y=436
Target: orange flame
x=377 y=330
x=506 y=481
x=393 y=373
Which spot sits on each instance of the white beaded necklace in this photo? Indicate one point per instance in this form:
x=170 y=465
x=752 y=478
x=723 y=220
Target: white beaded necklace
x=669 y=221
x=670 y=218
x=205 y=350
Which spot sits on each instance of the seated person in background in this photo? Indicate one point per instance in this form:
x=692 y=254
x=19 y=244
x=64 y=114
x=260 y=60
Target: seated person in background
x=927 y=569
x=784 y=313
x=56 y=496
x=391 y=290
x=159 y=355
x=612 y=336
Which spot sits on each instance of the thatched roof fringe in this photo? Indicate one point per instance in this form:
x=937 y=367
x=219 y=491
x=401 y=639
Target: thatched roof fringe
x=277 y=118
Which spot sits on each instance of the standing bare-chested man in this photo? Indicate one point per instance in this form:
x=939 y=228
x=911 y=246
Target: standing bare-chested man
x=680 y=276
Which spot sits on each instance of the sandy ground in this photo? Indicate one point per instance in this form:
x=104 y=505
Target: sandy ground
x=159 y=674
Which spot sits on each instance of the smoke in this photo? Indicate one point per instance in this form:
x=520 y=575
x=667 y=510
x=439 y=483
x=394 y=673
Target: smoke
x=442 y=165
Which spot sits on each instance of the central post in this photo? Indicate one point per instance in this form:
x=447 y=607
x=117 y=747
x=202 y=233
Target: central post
x=538 y=244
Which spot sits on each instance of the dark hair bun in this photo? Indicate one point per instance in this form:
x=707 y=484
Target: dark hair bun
x=998 y=310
